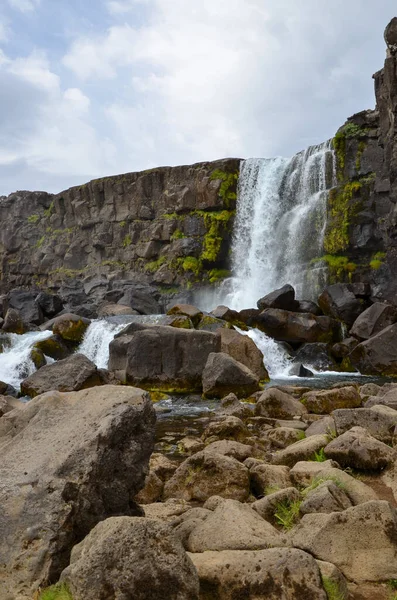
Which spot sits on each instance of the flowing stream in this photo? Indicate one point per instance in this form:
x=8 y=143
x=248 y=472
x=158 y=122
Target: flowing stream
x=15 y=361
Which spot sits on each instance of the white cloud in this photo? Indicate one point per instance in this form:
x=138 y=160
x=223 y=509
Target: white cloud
x=120 y=7
x=24 y=5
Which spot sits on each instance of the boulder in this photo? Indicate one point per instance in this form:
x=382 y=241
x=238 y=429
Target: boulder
x=194 y=314
x=163 y=358
x=357 y=490
x=231 y=406
x=281 y=437
x=343 y=348
x=55 y=347
x=8 y=403
x=307 y=306
x=360 y=541
x=233 y=526
x=315 y=356
x=13 y=322
x=267 y=507
x=243 y=349
x=378 y=420
x=325 y=401
x=327 y=497
x=50 y=304
x=304 y=471
x=325 y=425
x=206 y=474
x=373 y=320
x=265 y=477
x=133 y=559
x=274 y=574
x=230 y=448
x=283 y=298
x=152 y=490
x=276 y=404
x=24 y=301
x=378 y=355
x=287 y=326
x=69 y=375
x=390 y=35
x=110 y=309
x=210 y=323
x=54 y=452
x=302 y=450
x=338 y=301
x=359 y=450
x=140 y=301
x=229 y=427
x=70 y=327
x=223 y=375
x=225 y=313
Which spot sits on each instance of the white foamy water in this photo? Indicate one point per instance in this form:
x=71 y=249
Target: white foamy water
x=276 y=359
x=15 y=361
x=95 y=344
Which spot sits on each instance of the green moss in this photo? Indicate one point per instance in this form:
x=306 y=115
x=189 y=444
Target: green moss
x=40 y=242
x=218 y=274
x=127 y=241
x=340 y=210
x=348 y=131
x=361 y=147
x=338 y=266
x=154 y=266
x=67 y=272
x=332 y=589
x=33 y=218
x=190 y=263
x=227 y=190
x=217 y=224
x=123 y=223
x=50 y=210
x=377 y=260
x=177 y=235
x=60 y=591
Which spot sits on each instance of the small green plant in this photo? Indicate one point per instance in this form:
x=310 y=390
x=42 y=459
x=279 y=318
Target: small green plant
x=218 y=274
x=317 y=481
x=177 y=235
x=50 y=210
x=271 y=489
x=127 y=241
x=40 y=242
x=123 y=223
x=377 y=260
x=332 y=589
x=191 y=263
x=153 y=266
x=33 y=218
x=392 y=583
x=319 y=456
x=60 y=591
x=287 y=513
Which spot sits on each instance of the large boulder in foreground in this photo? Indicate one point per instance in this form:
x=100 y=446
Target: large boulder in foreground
x=68 y=461
x=361 y=541
x=243 y=349
x=69 y=375
x=287 y=326
x=133 y=559
x=163 y=358
x=272 y=574
x=378 y=355
x=223 y=375
x=338 y=301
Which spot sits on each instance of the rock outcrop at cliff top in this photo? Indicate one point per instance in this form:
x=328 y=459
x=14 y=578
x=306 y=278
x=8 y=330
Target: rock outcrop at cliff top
x=68 y=461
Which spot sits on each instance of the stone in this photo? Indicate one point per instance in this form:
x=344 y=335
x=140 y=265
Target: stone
x=303 y=472
x=163 y=358
x=338 y=301
x=360 y=541
x=281 y=437
x=225 y=313
x=331 y=573
x=55 y=347
x=273 y=574
x=325 y=425
x=276 y=404
x=24 y=301
x=267 y=507
x=13 y=322
x=307 y=306
x=378 y=420
x=210 y=323
x=265 y=477
x=194 y=314
x=190 y=445
x=287 y=326
x=327 y=497
x=302 y=450
x=343 y=348
x=152 y=490
x=140 y=301
x=206 y=474
x=357 y=490
x=244 y=350
x=222 y=375
x=230 y=448
x=229 y=427
x=69 y=375
x=50 y=304
x=110 y=310
x=230 y=405
x=315 y=356
x=131 y=558
x=162 y=466
x=54 y=452
x=359 y=450
x=378 y=355
x=283 y=298
x=8 y=403
x=233 y=526
x=373 y=320
x=325 y=401
x=390 y=35
x=70 y=327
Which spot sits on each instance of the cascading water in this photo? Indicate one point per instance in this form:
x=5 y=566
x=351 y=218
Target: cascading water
x=280 y=225
x=15 y=361
x=95 y=344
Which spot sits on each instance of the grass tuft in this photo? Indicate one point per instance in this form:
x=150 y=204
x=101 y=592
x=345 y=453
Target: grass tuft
x=60 y=591
x=332 y=589
x=287 y=513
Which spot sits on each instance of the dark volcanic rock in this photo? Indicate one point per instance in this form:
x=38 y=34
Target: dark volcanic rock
x=50 y=304
x=140 y=301
x=339 y=302
x=25 y=303
x=283 y=298
x=378 y=355
x=223 y=374
x=288 y=326
x=373 y=320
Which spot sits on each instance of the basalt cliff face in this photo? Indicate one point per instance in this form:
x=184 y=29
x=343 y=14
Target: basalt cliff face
x=166 y=226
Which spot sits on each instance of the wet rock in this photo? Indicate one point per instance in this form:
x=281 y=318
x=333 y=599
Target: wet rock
x=244 y=350
x=352 y=540
x=287 y=326
x=378 y=355
x=315 y=356
x=233 y=526
x=206 y=474
x=283 y=298
x=55 y=347
x=54 y=451
x=302 y=450
x=276 y=404
x=272 y=574
x=298 y=370
x=325 y=401
x=225 y=313
x=328 y=497
x=307 y=306
x=124 y=557
x=38 y=358
x=223 y=375
x=343 y=348
x=358 y=449
x=13 y=322
x=69 y=375
x=194 y=314
x=24 y=301
x=338 y=301
x=70 y=327
x=210 y=323
x=373 y=320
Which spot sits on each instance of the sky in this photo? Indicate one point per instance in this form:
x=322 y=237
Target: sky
x=94 y=88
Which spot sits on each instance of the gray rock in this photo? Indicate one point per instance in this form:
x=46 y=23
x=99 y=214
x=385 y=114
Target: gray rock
x=276 y=404
x=223 y=375
x=328 y=497
x=283 y=298
x=358 y=449
x=338 y=301
x=378 y=420
x=244 y=350
x=373 y=320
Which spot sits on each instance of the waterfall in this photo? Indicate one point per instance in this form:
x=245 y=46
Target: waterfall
x=95 y=344
x=280 y=225
x=15 y=361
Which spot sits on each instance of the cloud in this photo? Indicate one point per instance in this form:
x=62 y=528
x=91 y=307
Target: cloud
x=24 y=5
